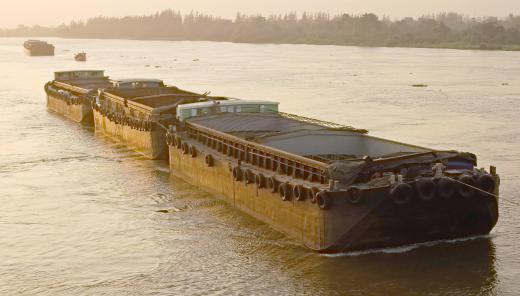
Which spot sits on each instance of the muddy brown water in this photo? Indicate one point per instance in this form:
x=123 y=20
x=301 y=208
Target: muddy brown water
x=82 y=215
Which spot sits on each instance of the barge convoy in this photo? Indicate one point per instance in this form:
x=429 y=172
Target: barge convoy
x=333 y=188
x=38 y=48
x=135 y=112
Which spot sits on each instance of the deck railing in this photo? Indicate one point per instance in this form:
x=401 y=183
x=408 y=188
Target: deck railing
x=258 y=155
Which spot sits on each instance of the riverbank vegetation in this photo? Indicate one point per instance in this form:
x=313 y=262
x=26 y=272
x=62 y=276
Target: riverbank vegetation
x=445 y=30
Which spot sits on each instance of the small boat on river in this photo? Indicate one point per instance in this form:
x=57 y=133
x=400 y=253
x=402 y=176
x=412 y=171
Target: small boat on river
x=38 y=48
x=71 y=93
x=80 y=57
x=333 y=188
x=136 y=112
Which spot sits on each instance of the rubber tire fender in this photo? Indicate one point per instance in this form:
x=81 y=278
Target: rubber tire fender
x=237 y=174
x=249 y=177
x=299 y=192
x=285 y=190
x=272 y=184
x=464 y=190
x=323 y=200
x=426 y=188
x=185 y=148
x=193 y=151
x=209 y=160
x=446 y=188
x=260 y=180
x=402 y=193
x=313 y=192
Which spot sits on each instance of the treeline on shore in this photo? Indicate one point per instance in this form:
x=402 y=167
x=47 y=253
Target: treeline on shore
x=445 y=30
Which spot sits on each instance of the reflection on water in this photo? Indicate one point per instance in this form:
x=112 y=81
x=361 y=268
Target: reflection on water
x=82 y=214
x=463 y=268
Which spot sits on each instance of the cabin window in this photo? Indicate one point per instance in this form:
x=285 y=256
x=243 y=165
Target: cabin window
x=124 y=85
x=144 y=84
x=239 y=109
x=230 y=109
x=151 y=84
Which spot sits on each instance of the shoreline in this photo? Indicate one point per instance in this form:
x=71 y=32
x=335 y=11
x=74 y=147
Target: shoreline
x=453 y=46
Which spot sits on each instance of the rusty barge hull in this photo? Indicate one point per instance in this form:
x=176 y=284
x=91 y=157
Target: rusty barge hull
x=38 y=48
x=136 y=113
x=80 y=113
x=71 y=93
x=150 y=143
x=298 y=196
x=39 y=52
x=377 y=222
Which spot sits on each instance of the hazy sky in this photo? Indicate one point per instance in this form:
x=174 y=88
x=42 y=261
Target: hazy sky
x=54 y=12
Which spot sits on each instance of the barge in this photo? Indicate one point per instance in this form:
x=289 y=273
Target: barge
x=71 y=93
x=331 y=187
x=136 y=112
x=38 y=48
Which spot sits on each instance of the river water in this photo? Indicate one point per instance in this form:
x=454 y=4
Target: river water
x=80 y=212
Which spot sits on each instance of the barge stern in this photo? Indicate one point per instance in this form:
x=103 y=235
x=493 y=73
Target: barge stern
x=71 y=93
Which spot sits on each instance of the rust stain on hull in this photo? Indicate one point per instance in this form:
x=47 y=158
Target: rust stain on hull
x=300 y=220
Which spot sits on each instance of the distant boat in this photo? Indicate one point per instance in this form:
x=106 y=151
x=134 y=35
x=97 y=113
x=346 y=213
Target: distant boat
x=38 y=48
x=80 y=57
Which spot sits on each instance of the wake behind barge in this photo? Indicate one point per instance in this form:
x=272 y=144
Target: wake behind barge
x=334 y=188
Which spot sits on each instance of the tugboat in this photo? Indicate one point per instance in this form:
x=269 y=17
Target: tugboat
x=333 y=188
x=137 y=112
x=71 y=93
x=81 y=57
x=38 y=48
